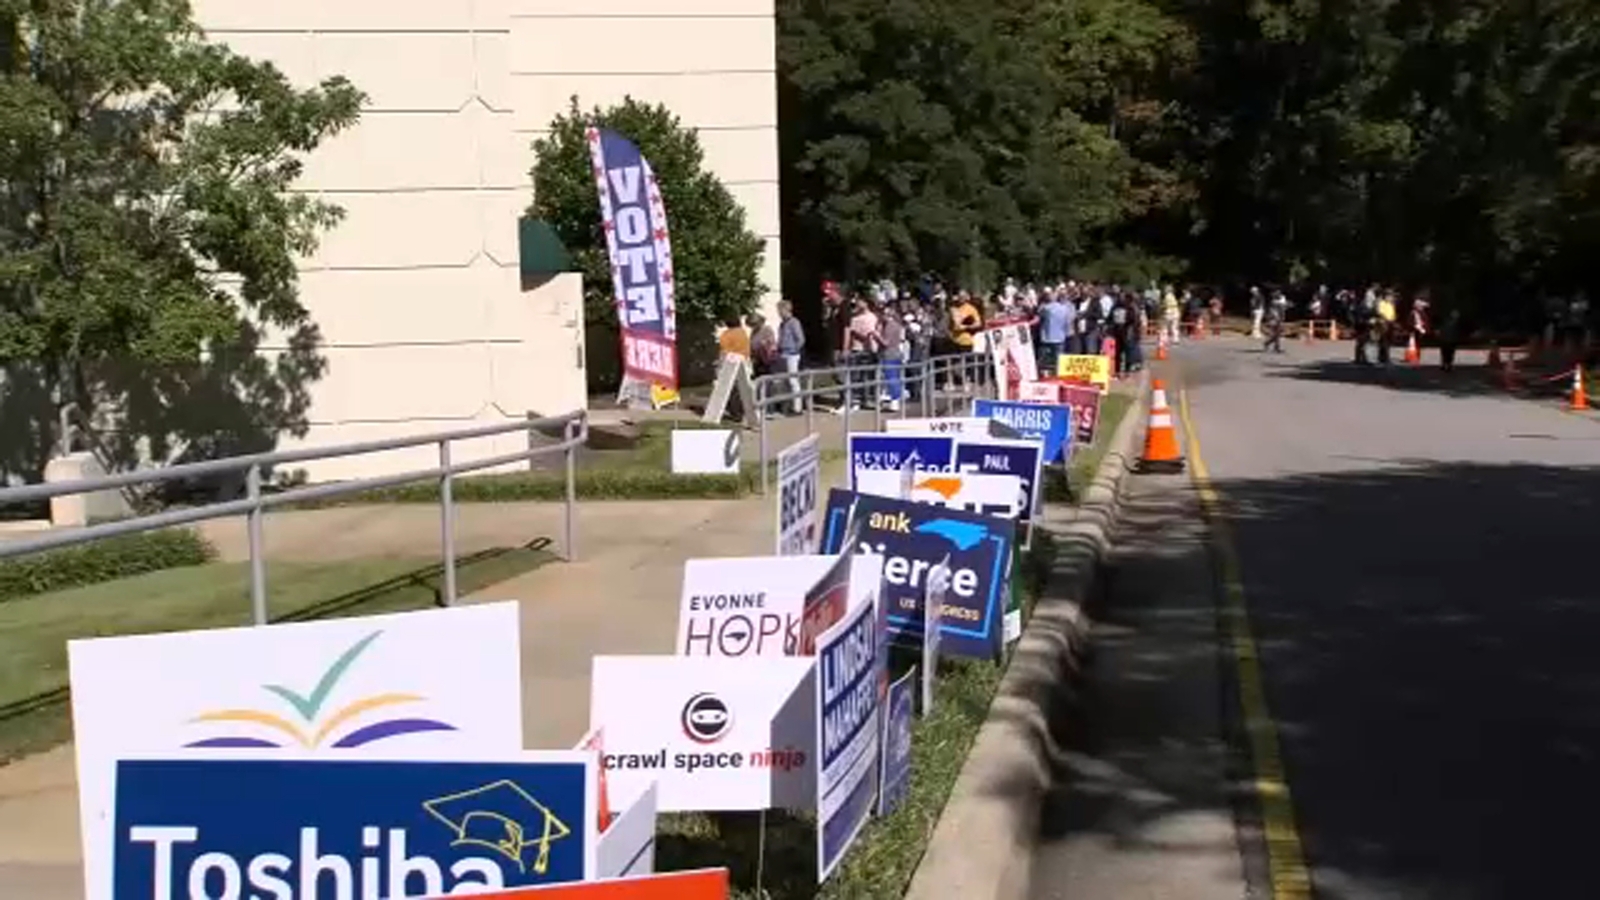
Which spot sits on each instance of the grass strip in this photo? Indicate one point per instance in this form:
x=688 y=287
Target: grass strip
x=34 y=630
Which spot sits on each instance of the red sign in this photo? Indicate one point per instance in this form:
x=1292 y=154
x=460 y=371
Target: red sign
x=702 y=884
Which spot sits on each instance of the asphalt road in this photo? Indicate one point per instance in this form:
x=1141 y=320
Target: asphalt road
x=1421 y=562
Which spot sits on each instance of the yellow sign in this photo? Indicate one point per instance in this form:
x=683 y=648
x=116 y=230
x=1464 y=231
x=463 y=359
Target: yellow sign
x=1094 y=369
x=661 y=397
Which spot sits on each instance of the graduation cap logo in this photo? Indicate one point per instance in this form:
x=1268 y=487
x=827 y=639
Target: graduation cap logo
x=502 y=818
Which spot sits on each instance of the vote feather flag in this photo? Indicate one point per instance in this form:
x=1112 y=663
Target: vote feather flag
x=640 y=248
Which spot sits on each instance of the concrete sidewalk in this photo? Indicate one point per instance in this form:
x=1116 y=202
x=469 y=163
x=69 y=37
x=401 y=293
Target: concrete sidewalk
x=620 y=596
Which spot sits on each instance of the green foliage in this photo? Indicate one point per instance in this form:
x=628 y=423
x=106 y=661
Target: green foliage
x=716 y=258
x=966 y=139
x=148 y=238
x=104 y=560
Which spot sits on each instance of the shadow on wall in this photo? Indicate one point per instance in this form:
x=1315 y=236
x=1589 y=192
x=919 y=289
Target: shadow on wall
x=239 y=400
x=1427 y=636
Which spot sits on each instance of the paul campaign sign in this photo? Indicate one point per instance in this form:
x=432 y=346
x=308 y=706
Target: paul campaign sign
x=350 y=829
x=999 y=456
x=925 y=452
x=1051 y=425
x=913 y=538
x=635 y=223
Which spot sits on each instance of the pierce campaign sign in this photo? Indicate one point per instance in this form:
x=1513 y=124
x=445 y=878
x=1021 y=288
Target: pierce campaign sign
x=847 y=698
x=925 y=452
x=640 y=247
x=752 y=605
x=714 y=733
x=1051 y=425
x=799 y=496
x=349 y=687
x=347 y=829
x=913 y=538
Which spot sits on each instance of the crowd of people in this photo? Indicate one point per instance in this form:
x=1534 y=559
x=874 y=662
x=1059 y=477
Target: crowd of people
x=891 y=326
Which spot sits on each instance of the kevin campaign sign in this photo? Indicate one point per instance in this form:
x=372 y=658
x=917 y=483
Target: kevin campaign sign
x=1049 y=424
x=635 y=222
x=913 y=538
x=343 y=829
x=925 y=452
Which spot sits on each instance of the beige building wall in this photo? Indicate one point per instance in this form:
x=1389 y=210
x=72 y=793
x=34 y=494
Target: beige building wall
x=417 y=292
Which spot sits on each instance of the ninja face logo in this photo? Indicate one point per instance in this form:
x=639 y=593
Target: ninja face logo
x=706 y=719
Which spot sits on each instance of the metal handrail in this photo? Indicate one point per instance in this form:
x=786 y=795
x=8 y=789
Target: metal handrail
x=574 y=429
x=975 y=368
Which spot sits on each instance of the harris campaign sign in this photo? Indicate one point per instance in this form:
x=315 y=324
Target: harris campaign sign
x=635 y=223
x=1049 y=424
x=913 y=539
x=343 y=829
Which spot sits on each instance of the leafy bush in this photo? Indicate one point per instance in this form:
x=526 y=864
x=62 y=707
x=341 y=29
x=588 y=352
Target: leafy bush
x=103 y=560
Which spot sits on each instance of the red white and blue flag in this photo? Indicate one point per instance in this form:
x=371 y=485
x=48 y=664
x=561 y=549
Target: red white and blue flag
x=635 y=223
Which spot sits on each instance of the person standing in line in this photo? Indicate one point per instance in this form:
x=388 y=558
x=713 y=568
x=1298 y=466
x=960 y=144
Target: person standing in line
x=734 y=343
x=1171 y=315
x=763 y=345
x=892 y=334
x=966 y=322
x=1258 y=311
x=1090 y=320
x=862 y=343
x=835 y=330
x=791 y=349
x=1055 y=326
x=1275 y=312
x=918 y=346
x=1385 y=324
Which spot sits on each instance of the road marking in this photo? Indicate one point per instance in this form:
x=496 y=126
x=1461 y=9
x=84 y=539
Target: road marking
x=1286 y=864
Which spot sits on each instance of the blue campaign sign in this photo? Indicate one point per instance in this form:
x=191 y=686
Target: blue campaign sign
x=914 y=538
x=998 y=456
x=894 y=779
x=1046 y=422
x=927 y=452
x=343 y=829
x=848 y=668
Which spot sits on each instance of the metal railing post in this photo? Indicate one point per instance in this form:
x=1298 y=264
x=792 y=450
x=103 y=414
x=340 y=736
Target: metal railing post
x=258 y=565
x=761 y=424
x=845 y=406
x=447 y=523
x=570 y=436
x=810 y=401
x=880 y=387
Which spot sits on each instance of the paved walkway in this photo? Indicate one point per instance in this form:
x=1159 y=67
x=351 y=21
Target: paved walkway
x=620 y=596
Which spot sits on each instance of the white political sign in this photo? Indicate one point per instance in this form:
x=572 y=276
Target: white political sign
x=995 y=495
x=714 y=733
x=934 y=588
x=799 y=496
x=970 y=426
x=705 y=451
x=752 y=605
x=627 y=846
x=430 y=683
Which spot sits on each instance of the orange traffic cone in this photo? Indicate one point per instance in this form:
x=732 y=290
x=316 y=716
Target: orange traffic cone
x=1161 y=346
x=1413 y=355
x=1161 y=452
x=1580 y=399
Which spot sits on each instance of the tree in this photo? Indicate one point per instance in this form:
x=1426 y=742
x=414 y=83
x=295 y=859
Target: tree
x=716 y=258
x=148 y=238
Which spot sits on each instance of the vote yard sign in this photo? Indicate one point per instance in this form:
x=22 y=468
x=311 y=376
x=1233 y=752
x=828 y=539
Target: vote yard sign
x=975 y=426
x=1087 y=368
x=925 y=452
x=1051 y=425
x=350 y=828
x=913 y=539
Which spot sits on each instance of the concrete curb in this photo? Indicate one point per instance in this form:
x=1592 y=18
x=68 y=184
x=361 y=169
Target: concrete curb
x=982 y=847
